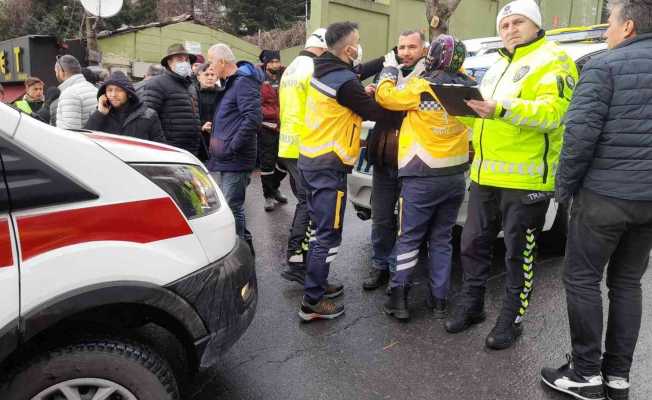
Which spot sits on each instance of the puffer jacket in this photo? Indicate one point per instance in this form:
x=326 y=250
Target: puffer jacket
x=133 y=119
x=174 y=98
x=77 y=102
x=238 y=117
x=608 y=137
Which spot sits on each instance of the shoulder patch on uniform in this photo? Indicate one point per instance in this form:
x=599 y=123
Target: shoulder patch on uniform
x=521 y=73
x=570 y=81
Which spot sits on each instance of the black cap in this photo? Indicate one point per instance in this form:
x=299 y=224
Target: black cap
x=269 y=55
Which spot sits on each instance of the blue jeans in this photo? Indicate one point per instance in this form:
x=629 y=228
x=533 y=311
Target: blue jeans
x=234 y=187
x=386 y=189
x=428 y=211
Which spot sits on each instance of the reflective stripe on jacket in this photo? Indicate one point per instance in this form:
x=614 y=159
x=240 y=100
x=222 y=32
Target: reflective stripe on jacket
x=430 y=142
x=519 y=148
x=292 y=94
x=332 y=129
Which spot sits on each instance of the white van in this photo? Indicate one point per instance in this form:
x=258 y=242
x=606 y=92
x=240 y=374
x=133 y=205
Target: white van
x=120 y=270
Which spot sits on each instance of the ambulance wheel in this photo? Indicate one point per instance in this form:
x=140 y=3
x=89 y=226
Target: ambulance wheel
x=93 y=369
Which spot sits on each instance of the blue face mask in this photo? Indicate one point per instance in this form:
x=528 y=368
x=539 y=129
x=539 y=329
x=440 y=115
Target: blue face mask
x=183 y=69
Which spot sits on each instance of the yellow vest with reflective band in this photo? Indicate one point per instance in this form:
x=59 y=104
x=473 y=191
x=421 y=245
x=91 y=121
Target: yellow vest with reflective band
x=428 y=132
x=292 y=96
x=333 y=136
x=519 y=148
x=24 y=106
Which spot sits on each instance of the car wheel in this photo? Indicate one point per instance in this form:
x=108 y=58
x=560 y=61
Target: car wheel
x=93 y=369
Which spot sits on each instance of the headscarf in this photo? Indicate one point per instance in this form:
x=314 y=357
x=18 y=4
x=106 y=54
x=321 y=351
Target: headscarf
x=445 y=54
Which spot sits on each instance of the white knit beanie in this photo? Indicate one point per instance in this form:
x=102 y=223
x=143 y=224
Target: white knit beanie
x=317 y=39
x=526 y=8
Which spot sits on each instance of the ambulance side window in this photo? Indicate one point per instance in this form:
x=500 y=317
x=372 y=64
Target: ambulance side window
x=34 y=183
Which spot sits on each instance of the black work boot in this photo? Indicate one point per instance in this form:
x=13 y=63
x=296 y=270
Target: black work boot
x=396 y=305
x=377 y=278
x=504 y=333
x=278 y=196
x=439 y=307
x=294 y=274
x=469 y=311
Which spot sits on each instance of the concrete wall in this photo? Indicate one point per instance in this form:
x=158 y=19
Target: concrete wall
x=382 y=21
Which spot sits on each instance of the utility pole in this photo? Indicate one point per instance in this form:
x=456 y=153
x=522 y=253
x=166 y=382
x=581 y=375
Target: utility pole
x=92 y=53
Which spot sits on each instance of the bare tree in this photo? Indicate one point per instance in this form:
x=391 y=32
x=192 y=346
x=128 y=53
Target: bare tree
x=438 y=13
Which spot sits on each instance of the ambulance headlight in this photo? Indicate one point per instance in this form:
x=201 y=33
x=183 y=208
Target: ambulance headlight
x=188 y=185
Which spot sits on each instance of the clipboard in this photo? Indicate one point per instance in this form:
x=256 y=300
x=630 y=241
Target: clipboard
x=452 y=96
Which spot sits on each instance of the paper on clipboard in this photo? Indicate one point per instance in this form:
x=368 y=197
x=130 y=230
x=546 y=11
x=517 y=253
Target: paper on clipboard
x=452 y=97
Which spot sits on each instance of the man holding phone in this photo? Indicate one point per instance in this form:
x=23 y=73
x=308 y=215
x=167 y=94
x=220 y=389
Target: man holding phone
x=517 y=141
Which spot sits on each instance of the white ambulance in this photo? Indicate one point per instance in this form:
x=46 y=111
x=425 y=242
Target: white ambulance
x=120 y=271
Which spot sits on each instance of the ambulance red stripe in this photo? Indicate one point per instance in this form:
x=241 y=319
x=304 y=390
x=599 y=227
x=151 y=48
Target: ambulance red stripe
x=139 y=221
x=6 y=258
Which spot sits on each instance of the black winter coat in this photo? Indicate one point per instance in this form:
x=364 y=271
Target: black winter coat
x=175 y=100
x=608 y=138
x=137 y=121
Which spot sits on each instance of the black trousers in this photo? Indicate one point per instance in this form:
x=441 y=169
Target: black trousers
x=299 y=234
x=491 y=209
x=271 y=174
x=618 y=232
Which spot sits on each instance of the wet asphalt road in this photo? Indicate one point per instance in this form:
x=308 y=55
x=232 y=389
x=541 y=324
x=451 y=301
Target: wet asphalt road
x=366 y=355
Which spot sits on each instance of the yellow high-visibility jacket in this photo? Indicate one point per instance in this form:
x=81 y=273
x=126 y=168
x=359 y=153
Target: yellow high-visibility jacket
x=333 y=138
x=292 y=96
x=519 y=147
x=430 y=141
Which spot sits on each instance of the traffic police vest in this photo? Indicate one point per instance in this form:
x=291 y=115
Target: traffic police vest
x=292 y=97
x=430 y=142
x=24 y=106
x=519 y=148
x=333 y=136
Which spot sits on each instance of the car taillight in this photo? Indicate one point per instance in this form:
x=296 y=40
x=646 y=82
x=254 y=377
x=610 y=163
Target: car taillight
x=188 y=185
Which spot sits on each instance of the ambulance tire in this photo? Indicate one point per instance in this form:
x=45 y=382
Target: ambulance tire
x=131 y=367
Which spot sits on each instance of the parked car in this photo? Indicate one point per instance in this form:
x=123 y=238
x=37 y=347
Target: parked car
x=120 y=270
x=360 y=180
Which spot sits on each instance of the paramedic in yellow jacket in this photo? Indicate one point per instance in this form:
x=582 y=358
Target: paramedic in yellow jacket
x=517 y=144
x=292 y=95
x=336 y=104
x=433 y=154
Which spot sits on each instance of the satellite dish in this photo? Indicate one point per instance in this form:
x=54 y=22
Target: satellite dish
x=102 y=8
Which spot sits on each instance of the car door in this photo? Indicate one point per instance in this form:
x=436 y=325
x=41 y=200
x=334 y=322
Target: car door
x=9 y=274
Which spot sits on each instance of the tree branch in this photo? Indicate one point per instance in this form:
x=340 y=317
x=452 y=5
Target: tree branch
x=438 y=13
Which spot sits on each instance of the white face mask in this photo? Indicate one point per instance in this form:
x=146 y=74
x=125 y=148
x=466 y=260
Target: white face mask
x=358 y=60
x=183 y=69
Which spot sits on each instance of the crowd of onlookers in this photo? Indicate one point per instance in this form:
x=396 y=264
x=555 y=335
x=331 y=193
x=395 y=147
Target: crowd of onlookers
x=539 y=132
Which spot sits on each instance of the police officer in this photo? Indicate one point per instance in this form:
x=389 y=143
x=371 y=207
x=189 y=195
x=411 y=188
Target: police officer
x=433 y=154
x=517 y=143
x=335 y=107
x=292 y=94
